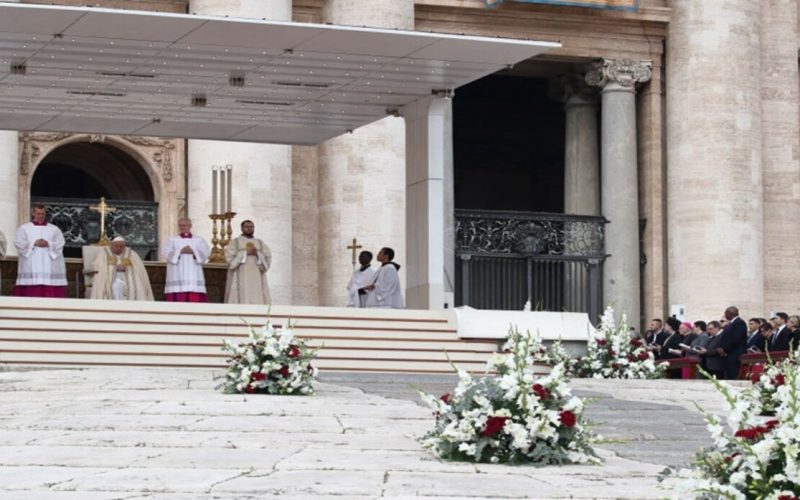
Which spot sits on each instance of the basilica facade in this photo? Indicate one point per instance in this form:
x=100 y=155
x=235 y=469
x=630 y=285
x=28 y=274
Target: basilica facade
x=660 y=143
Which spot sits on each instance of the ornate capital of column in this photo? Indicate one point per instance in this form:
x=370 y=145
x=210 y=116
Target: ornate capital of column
x=623 y=72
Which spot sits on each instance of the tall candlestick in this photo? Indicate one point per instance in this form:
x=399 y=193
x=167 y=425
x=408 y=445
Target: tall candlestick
x=214 y=190
x=221 y=191
x=230 y=187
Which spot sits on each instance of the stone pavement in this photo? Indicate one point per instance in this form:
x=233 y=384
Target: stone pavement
x=116 y=433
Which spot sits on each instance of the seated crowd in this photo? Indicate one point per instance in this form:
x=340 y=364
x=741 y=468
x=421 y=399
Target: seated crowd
x=719 y=344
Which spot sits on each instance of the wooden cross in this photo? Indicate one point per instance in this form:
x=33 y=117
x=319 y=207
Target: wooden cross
x=103 y=209
x=355 y=246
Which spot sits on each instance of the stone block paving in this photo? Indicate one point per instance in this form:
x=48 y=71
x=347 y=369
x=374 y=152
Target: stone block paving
x=116 y=433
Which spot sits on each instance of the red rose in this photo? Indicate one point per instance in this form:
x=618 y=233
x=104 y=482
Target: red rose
x=752 y=433
x=754 y=377
x=643 y=356
x=787 y=497
x=637 y=342
x=611 y=353
x=284 y=371
x=615 y=366
x=294 y=351
x=568 y=419
x=731 y=456
x=601 y=342
x=771 y=424
x=541 y=391
x=493 y=426
x=445 y=398
x=249 y=389
x=258 y=376
x=631 y=357
x=778 y=380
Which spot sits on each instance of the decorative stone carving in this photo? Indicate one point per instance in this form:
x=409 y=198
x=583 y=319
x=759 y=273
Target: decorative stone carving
x=162 y=158
x=624 y=72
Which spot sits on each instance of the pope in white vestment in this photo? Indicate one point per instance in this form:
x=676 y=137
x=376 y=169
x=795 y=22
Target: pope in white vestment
x=41 y=271
x=185 y=255
x=363 y=276
x=120 y=274
x=248 y=259
x=385 y=290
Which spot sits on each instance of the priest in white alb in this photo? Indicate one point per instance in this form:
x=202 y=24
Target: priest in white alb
x=41 y=271
x=120 y=274
x=185 y=255
x=248 y=259
x=385 y=290
x=363 y=276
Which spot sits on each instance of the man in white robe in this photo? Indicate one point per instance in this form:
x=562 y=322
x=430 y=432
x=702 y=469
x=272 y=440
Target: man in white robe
x=248 y=259
x=185 y=255
x=363 y=276
x=41 y=271
x=120 y=274
x=385 y=290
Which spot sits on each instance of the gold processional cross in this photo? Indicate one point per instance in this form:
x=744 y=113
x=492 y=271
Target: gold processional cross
x=103 y=209
x=355 y=246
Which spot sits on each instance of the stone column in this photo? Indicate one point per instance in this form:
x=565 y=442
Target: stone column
x=714 y=153
x=9 y=187
x=781 y=157
x=581 y=155
x=362 y=175
x=262 y=173
x=426 y=159
x=619 y=180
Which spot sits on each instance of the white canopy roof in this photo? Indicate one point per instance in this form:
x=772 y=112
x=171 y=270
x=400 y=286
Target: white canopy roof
x=66 y=69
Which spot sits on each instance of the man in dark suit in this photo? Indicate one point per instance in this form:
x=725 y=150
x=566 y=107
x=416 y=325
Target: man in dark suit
x=709 y=358
x=656 y=334
x=782 y=336
x=733 y=342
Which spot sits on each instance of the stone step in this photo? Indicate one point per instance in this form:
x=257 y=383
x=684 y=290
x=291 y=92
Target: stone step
x=114 y=338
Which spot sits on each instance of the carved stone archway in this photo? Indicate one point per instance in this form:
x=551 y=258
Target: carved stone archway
x=162 y=160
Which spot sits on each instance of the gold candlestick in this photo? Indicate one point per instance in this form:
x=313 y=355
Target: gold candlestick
x=217 y=250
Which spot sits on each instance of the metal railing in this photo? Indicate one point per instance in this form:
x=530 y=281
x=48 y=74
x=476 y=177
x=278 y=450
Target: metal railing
x=507 y=258
x=136 y=221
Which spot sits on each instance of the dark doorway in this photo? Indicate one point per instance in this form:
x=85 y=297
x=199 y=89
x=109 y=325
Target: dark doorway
x=91 y=170
x=508 y=145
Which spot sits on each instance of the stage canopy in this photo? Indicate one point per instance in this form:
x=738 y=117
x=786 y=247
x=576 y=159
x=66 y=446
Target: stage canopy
x=66 y=69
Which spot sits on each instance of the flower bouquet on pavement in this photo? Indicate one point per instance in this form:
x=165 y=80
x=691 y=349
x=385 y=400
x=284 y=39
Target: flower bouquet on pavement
x=271 y=361
x=758 y=457
x=612 y=353
x=511 y=418
x=766 y=384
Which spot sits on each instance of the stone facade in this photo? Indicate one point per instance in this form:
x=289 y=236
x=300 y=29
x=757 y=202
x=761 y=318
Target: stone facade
x=716 y=178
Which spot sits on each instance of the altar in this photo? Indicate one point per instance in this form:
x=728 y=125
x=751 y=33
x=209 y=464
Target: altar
x=157 y=271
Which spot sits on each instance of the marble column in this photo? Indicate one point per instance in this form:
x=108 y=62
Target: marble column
x=619 y=180
x=714 y=153
x=262 y=173
x=781 y=153
x=362 y=175
x=426 y=158
x=10 y=187
x=581 y=154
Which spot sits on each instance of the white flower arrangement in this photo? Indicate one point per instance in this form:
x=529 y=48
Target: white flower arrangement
x=612 y=353
x=513 y=417
x=759 y=457
x=271 y=361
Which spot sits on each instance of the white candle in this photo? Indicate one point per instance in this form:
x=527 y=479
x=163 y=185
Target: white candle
x=221 y=191
x=214 y=190
x=230 y=186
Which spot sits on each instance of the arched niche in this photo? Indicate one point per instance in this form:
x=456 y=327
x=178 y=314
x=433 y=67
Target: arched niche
x=122 y=167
